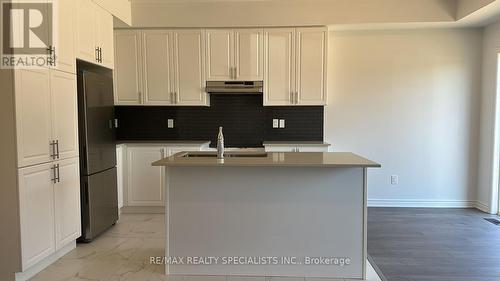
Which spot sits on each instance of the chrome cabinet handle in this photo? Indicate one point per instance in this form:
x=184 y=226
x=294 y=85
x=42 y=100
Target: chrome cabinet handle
x=97 y=54
x=58 y=173
x=54 y=179
x=57 y=149
x=100 y=54
x=53 y=147
x=116 y=122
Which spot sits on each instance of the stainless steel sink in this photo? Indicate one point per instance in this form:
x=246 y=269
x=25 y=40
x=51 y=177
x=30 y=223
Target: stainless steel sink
x=227 y=154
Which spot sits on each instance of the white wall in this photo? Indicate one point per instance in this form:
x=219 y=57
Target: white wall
x=409 y=99
x=489 y=148
x=217 y=13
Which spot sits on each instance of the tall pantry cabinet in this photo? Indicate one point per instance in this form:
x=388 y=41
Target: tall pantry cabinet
x=40 y=194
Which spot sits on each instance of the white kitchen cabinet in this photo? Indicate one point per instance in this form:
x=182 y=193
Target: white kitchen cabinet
x=103 y=36
x=295 y=66
x=311 y=64
x=64 y=113
x=189 y=67
x=128 y=68
x=144 y=182
x=33 y=116
x=36 y=207
x=234 y=54
x=49 y=197
x=67 y=202
x=279 y=66
x=64 y=49
x=157 y=67
x=219 y=54
x=94 y=33
x=85 y=29
x=249 y=57
x=46 y=116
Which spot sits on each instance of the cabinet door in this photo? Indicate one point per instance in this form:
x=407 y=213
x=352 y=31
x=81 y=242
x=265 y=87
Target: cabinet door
x=157 y=57
x=33 y=117
x=249 y=58
x=189 y=69
x=36 y=207
x=104 y=35
x=65 y=45
x=144 y=182
x=311 y=61
x=85 y=47
x=67 y=202
x=279 y=62
x=64 y=113
x=128 y=73
x=220 y=49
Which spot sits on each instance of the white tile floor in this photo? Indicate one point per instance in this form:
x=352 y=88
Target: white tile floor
x=122 y=254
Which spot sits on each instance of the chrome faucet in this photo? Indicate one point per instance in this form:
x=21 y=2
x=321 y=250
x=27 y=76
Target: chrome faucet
x=220 y=144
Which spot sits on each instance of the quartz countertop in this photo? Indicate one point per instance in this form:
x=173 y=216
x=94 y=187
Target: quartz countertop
x=295 y=143
x=271 y=159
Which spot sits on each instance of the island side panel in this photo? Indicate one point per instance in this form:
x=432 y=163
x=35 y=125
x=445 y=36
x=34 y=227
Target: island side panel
x=267 y=212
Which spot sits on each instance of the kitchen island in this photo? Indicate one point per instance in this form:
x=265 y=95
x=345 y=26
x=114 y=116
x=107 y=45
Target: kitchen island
x=266 y=214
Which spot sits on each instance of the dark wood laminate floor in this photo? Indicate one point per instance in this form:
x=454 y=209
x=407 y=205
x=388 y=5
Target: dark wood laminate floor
x=413 y=244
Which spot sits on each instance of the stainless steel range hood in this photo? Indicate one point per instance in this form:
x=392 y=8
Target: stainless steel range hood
x=234 y=87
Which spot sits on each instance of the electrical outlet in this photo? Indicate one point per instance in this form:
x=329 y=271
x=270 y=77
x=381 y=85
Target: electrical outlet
x=276 y=123
x=282 y=123
x=394 y=179
x=170 y=123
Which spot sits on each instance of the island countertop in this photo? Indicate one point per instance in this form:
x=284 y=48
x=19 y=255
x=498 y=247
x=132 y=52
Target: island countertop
x=271 y=159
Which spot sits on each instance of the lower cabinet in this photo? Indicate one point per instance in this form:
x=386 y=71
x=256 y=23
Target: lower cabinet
x=49 y=197
x=144 y=184
x=67 y=202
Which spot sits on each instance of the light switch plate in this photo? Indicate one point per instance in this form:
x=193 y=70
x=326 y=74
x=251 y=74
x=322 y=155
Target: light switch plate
x=170 y=123
x=276 y=123
x=282 y=123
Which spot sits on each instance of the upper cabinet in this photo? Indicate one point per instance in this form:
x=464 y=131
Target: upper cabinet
x=94 y=34
x=234 y=54
x=279 y=61
x=189 y=68
x=157 y=67
x=64 y=49
x=311 y=49
x=171 y=67
x=128 y=68
x=160 y=67
x=295 y=62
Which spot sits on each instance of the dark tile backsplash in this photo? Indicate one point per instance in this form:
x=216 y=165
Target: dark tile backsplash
x=246 y=122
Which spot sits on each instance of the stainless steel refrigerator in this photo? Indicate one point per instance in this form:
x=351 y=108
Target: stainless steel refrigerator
x=98 y=183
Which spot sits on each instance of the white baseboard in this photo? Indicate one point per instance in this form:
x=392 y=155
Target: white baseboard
x=408 y=203
x=482 y=207
x=41 y=265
